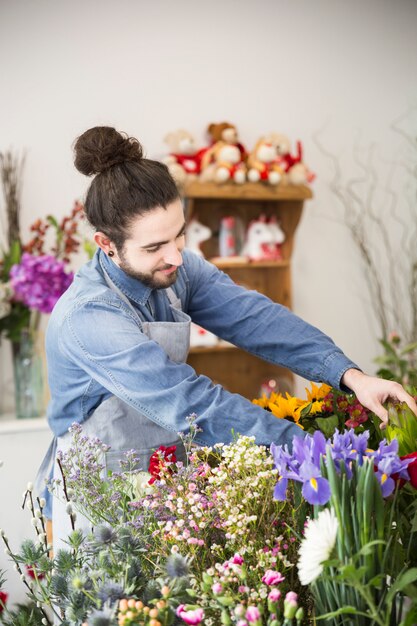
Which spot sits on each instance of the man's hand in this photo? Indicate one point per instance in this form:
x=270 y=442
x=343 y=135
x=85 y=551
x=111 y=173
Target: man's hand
x=372 y=392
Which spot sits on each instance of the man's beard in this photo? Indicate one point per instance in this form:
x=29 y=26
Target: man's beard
x=150 y=280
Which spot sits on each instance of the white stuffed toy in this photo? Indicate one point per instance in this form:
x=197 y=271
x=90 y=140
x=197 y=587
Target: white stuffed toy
x=184 y=160
x=195 y=234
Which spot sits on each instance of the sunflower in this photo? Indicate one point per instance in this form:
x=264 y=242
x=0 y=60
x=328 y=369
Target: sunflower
x=285 y=408
x=316 y=396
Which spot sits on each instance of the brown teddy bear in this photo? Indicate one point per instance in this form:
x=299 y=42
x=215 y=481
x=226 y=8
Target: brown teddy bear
x=226 y=132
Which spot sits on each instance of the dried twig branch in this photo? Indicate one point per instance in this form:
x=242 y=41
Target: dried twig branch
x=384 y=234
x=11 y=171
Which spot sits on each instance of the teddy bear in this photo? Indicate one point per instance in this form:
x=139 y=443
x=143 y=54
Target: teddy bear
x=228 y=133
x=184 y=159
x=296 y=172
x=262 y=163
x=221 y=163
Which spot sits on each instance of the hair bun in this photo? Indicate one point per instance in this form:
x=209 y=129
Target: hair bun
x=101 y=147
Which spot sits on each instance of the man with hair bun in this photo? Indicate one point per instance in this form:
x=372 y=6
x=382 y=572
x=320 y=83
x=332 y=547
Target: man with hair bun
x=117 y=340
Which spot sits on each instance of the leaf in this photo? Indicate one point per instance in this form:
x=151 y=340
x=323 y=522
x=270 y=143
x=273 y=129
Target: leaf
x=52 y=220
x=344 y=610
x=386 y=374
x=327 y=425
x=402 y=581
x=306 y=410
x=367 y=549
x=409 y=348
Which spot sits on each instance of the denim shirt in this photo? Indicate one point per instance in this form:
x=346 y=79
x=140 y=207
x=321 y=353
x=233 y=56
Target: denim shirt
x=95 y=349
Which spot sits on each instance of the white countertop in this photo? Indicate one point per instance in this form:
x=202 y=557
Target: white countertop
x=10 y=424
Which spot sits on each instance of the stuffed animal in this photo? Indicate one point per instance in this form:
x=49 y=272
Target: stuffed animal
x=297 y=173
x=263 y=165
x=263 y=240
x=184 y=159
x=226 y=132
x=222 y=163
x=201 y=337
x=196 y=233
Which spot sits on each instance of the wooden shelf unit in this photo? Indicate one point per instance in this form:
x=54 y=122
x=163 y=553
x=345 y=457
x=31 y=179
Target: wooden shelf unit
x=238 y=371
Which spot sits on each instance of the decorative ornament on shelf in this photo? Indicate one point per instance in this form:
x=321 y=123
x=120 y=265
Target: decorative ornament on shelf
x=184 y=159
x=295 y=170
x=224 y=160
x=231 y=236
x=262 y=163
x=263 y=240
x=196 y=234
x=228 y=133
x=200 y=337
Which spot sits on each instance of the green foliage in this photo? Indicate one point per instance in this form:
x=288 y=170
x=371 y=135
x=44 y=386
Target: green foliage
x=398 y=362
x=22 y=615
x=363 y=585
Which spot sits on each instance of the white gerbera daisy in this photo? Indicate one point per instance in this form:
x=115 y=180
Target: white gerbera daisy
x=317 y=545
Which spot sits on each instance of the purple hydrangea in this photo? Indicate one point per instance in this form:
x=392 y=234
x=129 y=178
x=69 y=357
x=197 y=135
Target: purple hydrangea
x=39 y=281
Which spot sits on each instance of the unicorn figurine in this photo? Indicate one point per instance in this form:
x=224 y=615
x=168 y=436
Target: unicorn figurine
x=260 y=241
x=196 y=233
x=263 y=240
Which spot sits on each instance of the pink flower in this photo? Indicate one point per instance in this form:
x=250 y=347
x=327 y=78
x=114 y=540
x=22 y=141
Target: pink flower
x=237 y=559
x=274 y=595
x=272 y=577
x=252 y=614
x=291 y=597
x=217 y=588
x=193 y=616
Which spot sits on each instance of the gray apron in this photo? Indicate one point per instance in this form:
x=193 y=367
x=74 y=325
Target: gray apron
x=118 y=424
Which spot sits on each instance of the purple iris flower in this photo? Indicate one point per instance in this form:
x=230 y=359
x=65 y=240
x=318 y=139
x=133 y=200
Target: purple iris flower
x=316 y=489
x=303 y=464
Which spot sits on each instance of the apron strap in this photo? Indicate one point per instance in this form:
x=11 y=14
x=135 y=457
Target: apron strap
x=46 y=467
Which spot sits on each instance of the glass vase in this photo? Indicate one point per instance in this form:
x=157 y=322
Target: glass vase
x=28 y=376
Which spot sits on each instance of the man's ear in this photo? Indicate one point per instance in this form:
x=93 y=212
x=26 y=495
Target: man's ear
x=104 y=243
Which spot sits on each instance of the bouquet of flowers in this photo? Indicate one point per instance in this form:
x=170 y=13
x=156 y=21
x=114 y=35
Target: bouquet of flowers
x=203 y=543
x=238 y=534
x=357 y=552
x=31 y=281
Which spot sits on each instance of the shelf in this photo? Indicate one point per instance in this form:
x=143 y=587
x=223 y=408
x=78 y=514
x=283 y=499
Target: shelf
x=247 y=191
x=230 y=265
x=210 y=349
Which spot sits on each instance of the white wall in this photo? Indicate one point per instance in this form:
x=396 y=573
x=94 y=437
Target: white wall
x=342 y=68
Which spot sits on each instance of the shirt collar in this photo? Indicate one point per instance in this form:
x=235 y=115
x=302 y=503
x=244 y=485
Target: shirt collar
x=133 y=288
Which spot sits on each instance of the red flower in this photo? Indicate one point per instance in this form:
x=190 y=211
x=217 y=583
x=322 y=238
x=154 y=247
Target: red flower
x=3 y=600
x=412 y=468
x=30 y=569
x=159 y=461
